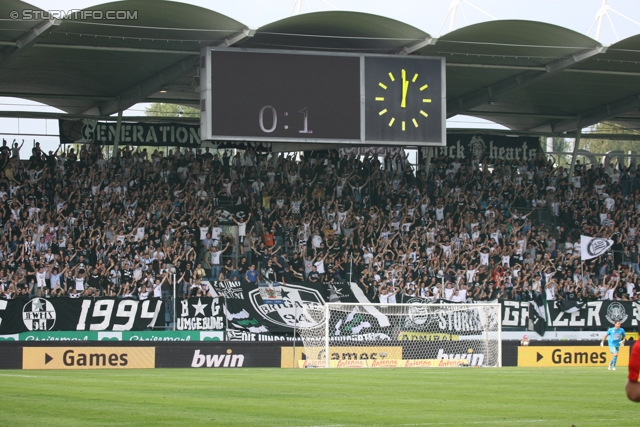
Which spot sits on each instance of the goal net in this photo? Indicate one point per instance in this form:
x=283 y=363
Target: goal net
x=401 y=335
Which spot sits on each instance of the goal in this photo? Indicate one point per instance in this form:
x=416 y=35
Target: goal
x=401 y=335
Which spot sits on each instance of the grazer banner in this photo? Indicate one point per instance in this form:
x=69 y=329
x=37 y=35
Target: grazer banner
x=487 y=148
x=131 y=133
x=81 y=314
x=588 y=315
x=593 y=315
x=524 y=314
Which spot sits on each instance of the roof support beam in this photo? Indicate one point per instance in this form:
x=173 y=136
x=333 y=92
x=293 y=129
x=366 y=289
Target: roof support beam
x=237 y=38
x=26 y=41
x=593 y=116
x=409 y=49
x=482 y=96
x=153 y=84
x=29 y=95
x=116 y=49
x=145 y=88
x=541 y=69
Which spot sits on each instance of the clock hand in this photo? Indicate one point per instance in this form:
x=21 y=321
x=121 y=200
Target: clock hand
x=405 y=87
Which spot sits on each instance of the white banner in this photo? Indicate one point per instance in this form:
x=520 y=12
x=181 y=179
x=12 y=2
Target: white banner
x=592 y=247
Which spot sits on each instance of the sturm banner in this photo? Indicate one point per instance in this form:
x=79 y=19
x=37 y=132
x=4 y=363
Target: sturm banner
x=423 y=322
x=82 y=314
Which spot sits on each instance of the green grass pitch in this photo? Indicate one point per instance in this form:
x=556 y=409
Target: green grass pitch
x=318 y=397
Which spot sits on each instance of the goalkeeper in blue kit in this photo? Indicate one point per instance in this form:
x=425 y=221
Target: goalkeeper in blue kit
x=616 y=337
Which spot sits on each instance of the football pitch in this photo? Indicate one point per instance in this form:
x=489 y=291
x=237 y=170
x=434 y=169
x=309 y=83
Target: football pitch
x=318 y=397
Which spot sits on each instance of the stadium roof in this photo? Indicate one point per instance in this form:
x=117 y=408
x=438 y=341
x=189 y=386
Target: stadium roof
x=527 y=76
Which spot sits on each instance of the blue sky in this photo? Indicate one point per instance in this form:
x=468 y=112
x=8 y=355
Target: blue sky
x=427 y=15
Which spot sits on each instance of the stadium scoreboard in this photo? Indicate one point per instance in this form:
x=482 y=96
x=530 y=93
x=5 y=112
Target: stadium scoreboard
x=317 y=97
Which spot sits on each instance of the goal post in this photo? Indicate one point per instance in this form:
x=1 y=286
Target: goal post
x=401 y=335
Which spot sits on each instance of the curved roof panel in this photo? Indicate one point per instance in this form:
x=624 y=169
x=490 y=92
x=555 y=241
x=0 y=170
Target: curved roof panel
x=522 y=74
x=336 y=30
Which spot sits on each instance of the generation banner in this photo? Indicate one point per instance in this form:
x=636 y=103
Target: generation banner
x=81 y=314
x=131 y=133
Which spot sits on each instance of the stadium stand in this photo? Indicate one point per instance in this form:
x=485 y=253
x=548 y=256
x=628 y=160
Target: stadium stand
x=78 y=224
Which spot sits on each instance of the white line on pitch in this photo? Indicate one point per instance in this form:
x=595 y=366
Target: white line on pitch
x=23 y=376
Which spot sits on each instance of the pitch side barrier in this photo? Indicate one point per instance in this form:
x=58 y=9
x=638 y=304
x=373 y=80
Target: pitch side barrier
x=219 y=355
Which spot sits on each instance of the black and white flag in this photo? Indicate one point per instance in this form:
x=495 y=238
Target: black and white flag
x=537 y=316
x=592 y=247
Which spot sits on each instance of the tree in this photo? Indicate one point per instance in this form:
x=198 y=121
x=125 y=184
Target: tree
x=161 y=109
x=602 y=146
x=561 y=144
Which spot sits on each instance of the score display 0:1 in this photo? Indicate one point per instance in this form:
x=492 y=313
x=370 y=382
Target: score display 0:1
x=274 y=123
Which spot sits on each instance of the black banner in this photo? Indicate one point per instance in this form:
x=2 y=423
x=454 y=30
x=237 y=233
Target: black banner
x=229 y=289
x=587 y=315
x=255 y=315
x=524 y=314
x=81 y=314
x=340 y=291
x=225 y=214
x=486 y=148
x=131 y=133
x=200 y=314
x=593 y=315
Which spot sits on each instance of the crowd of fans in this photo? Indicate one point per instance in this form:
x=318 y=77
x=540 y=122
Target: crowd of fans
x=79 y=224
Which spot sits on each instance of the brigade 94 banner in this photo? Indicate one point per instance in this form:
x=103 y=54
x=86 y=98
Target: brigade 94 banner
x=82 y=314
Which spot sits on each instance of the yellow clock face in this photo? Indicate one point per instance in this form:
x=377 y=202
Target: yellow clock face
x=401 y=107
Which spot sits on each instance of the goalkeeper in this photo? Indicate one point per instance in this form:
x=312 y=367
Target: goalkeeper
x=616 y=337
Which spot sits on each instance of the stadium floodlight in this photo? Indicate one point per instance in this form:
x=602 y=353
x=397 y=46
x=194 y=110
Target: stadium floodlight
x=402 y=335
x=453 y=10
x=604 y=10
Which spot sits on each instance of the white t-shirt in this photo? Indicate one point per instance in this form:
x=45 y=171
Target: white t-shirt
x=80 y=284
x=215 y=257
x=216 y=232
x=40 y=279
x=242 y=229
x=484 y=258
x=203 y=232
